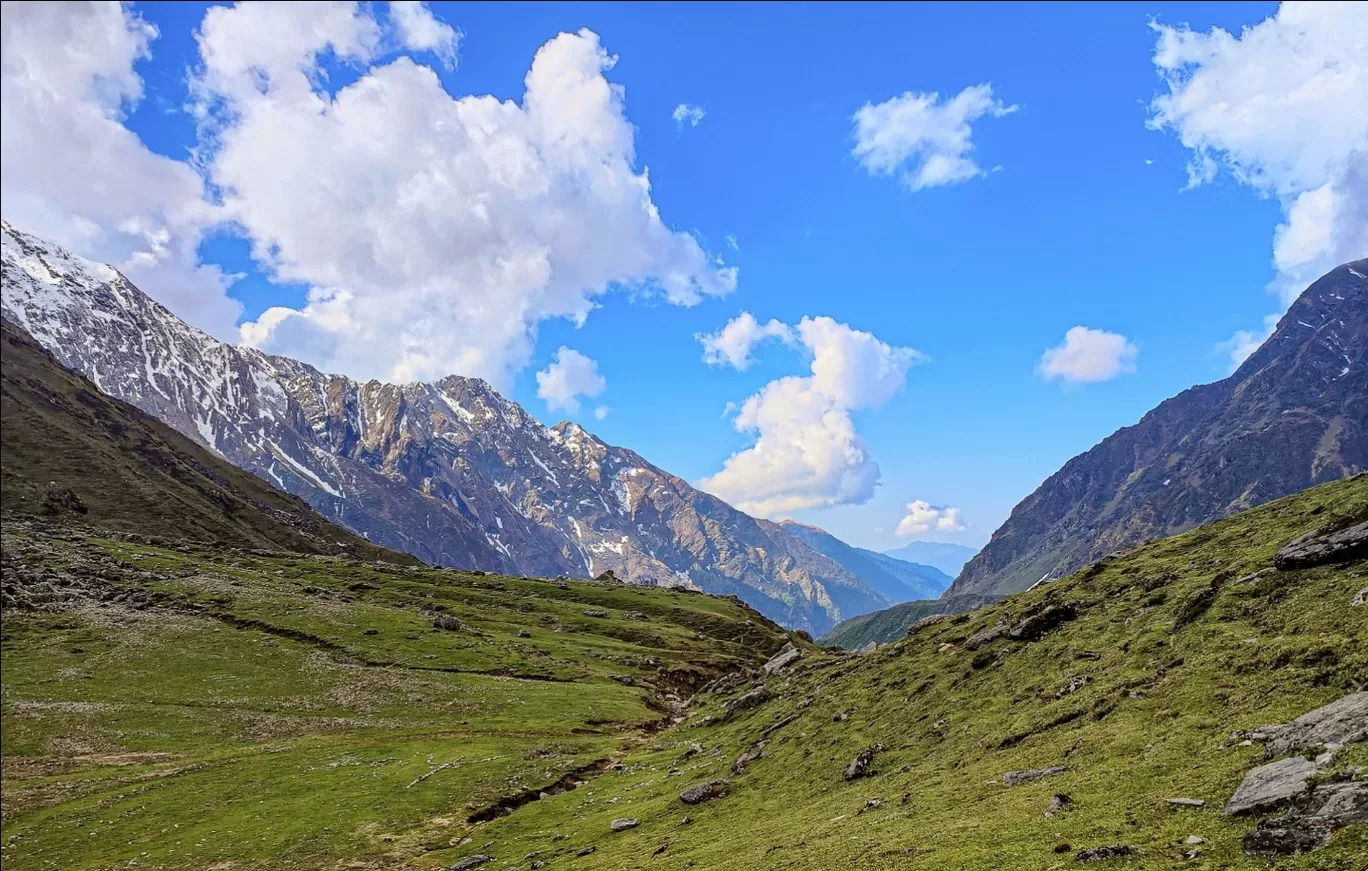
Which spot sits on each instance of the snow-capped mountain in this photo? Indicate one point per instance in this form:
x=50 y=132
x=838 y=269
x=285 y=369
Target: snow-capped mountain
x=449 y=471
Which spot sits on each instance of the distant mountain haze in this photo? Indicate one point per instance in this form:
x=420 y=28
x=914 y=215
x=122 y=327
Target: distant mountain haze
x=947 y=557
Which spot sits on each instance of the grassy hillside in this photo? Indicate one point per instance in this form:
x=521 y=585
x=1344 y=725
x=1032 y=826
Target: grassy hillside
x=181 y=708
x=1178 y=648
x=216 y=709
x=891 y=624
x=119 y=469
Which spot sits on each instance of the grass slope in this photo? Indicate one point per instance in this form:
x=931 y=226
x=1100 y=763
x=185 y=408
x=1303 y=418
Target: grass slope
x=1178 y=651
x=890 y=624
x=132 y=473
x=220 y=708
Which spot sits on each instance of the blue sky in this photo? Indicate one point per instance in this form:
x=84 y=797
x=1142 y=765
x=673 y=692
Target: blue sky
x=1080 y=219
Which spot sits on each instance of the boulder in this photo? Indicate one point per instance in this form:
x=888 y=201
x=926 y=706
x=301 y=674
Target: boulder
x=1036 y=625
x=1343 y=721
x=608 y=577
x=859 y=766
x=58 y=498
x=705 y=791
x=472 y=862
x=1323 y=546
x=1097 y=854
x=447 y=623
x=1184 y=802
x=593 y=613
x=928 y=620
x=756 y=751
x=1271 y=786
x=624 y=824
x=750 y=699
x=1015 y=778
x=1058 y=804
x=983 y=636
x=785 y=656
x=1360 y=600
x=869 y=648
x=1074 y=685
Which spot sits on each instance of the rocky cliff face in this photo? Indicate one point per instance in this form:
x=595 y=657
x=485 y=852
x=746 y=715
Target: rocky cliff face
x=1293 y=415
x=449 y=471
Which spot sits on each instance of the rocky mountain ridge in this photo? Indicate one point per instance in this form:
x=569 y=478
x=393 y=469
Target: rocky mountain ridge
x=449 y=471
x=1293 y=415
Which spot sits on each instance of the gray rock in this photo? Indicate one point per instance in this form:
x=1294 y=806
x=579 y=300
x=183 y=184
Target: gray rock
x=58 y=498
x=448 y=623
x=1271 y=786
x=756 y=751
x=750 y=699
x=867 y=649
x=1325 y=545
x=625 y=823
x=1282 y=836
x=785 y=656
x=1038 y=624
x=983 y=636
x=1058 y=804
x=1194 y=840
x=593 y=613
x=928 y=620
x=1015 y=778
x=472 y=862
x=1074 y=685
x=587 y=850
x=859 y=766
x=705 y=791
x=1097 y=854
x=1361 y=599
x=1184 y=802
x=1343 y=721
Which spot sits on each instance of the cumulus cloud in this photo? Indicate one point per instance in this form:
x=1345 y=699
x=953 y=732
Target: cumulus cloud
x=419 y=30
x=601 y=412
x=928 y=138
x=806 y=452
x=923 y=517
x=1279 y=107
x=72 y=172
x=1088 y=355
x=434 y=232
x=570 y=376
x=732 y=345
x=686 y=114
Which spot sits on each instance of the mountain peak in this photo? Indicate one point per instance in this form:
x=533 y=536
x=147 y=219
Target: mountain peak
x=449 y=471
x=1289 y=417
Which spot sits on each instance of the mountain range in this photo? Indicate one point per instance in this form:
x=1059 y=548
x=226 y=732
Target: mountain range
x=449 y=471
x=898 y=579
x=1294 y=414
x=943 y=555
x=134 y=473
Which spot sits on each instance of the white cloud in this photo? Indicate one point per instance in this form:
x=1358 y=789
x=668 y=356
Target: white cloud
x=421 y=31
x=601 y=412
x=931 y=134
x=806 y=452
x=71 y=172
x=434 y=233
x=1280 y=108
x=732 y=243
x=732 y=345
x=570 y=376
x=686 y=114
x=923 y=517
x=1088 y=355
